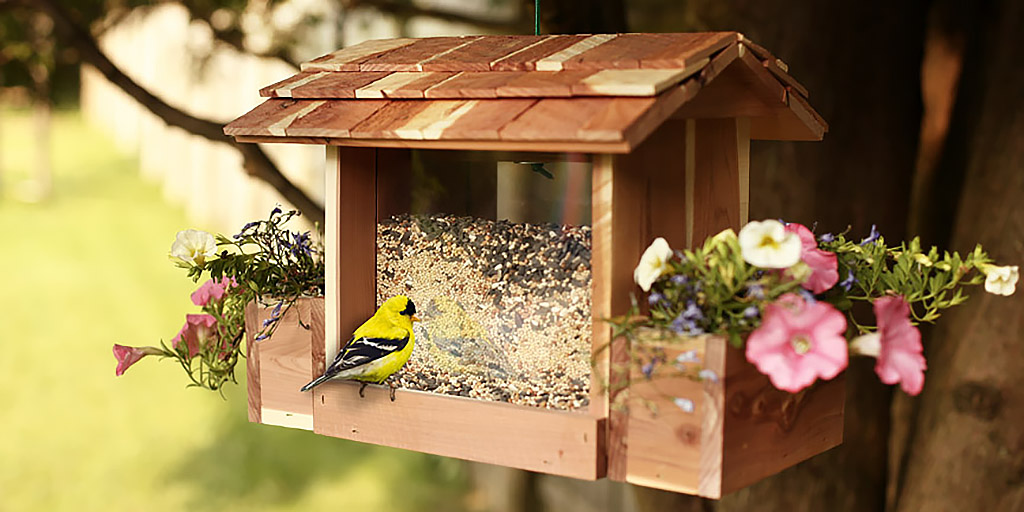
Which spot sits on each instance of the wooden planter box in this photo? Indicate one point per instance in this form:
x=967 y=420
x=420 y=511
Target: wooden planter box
x=663 y=122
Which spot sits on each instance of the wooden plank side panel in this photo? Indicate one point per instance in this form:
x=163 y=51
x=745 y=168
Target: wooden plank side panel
x=527 y=438
x=285 y=366
x=252 y=362
x=666 y=419
x=478 y=55
x=767 y=430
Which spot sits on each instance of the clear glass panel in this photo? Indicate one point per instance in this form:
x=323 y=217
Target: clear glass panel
x=496 y=256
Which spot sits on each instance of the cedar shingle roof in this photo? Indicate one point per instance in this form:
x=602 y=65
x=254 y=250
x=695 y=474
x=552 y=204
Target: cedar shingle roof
x=597 y=93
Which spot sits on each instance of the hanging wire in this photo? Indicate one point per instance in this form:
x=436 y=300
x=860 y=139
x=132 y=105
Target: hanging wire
x=536 y=17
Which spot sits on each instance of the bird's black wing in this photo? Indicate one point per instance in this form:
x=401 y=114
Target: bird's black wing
x=358 y=352
x=361 y=351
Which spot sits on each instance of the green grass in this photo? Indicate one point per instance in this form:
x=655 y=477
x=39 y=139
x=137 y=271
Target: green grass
x=87 y=268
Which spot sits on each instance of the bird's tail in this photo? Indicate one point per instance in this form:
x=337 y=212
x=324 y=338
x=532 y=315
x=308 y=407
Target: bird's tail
x=317 y=381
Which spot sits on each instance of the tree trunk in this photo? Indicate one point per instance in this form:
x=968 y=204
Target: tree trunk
x=966 y=450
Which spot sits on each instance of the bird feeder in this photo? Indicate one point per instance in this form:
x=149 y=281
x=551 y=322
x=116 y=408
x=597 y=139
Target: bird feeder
x=508 y=185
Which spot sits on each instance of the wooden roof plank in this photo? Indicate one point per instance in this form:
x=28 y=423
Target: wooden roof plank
x=333 y=85
x=633 y=82
x=283 y=88
x=685 y=49
x=623 y=52
x=390 y=117
x=429 y=123
x=526 y=58
x=554 y=119
x=472 y=85
x=410 y=57
x=334 y=118
x=478 y=55
x=486 y=118
x=348 y=59
x=402 y=85
x=610 y=123
x=542 y=84
x=258 y=120
x=554 y=62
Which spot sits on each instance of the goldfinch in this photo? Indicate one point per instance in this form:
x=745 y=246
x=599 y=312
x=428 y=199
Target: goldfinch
x=378 y=348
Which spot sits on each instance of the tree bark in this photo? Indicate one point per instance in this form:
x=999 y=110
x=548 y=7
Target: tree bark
x=966 y=450
x=256 y=162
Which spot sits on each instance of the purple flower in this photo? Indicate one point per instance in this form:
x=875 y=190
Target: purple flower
x=874 y=235
x=648 y=368
x=751 y=312
x=689 y=356
x=807 y=296
x=849 y=281
x=708 y=375
x=655 y=298
x=679 y=279
x=827 y=238
x=756 y=291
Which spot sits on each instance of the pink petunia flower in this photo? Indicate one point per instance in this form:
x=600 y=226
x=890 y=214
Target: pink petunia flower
x=127 y=356
x=197 y=333
x=798 y=342
x=212 y=290
x=823 y=264
x=897 y=345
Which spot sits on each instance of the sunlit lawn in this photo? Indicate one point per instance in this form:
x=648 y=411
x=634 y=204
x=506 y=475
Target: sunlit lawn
x=88 y=268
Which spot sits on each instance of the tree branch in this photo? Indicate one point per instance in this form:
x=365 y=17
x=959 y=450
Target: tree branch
x=408 y=10
x=256 y=162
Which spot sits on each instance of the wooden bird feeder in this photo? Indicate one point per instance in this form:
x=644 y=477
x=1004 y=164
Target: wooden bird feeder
x=638 y=136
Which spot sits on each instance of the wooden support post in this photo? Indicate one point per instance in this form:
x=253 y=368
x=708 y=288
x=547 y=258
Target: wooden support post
x=720 y=177
x=351 y=218
x=636 y=198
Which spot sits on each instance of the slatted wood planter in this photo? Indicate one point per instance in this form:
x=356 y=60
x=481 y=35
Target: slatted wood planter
x=663 y=122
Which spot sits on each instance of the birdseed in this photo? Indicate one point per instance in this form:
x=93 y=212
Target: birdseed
x=505 y=307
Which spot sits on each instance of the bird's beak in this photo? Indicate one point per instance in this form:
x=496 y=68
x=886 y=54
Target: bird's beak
x=416 y=318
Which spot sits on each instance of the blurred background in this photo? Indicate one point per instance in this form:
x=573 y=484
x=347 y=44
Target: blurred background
x=110 y=115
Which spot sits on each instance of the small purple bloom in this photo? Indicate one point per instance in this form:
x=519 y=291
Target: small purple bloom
x=751 y=312
x=690 y=356
x=849 y=281
x=655 y=298
x=261 y=337
x=692 y=312
x=275 y=211
x=269 y=321
x=679 y=279
x=808 y=296
x=708 y=375
x=685 y=404
x=756 y=291
x=874 y=235
x=648 y=368
x=826 y=238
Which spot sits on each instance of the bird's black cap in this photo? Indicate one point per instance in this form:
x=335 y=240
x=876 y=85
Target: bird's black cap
x=410 y=309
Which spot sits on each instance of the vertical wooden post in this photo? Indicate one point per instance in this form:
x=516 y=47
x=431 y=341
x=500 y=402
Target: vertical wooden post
x=350 y=246
x=720 y=176
x=636 y=198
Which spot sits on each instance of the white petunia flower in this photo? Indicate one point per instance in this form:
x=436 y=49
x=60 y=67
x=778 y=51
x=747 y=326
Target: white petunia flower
x=867 y=344
x=653 y=264
x=767 y=244
x=193 y=246
x=1001 y=280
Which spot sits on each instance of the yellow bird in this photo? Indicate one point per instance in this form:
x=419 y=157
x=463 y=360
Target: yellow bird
x=378 y=348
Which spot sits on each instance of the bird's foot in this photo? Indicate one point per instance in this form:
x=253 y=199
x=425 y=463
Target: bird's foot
x=392 y=386
x=362 y=386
